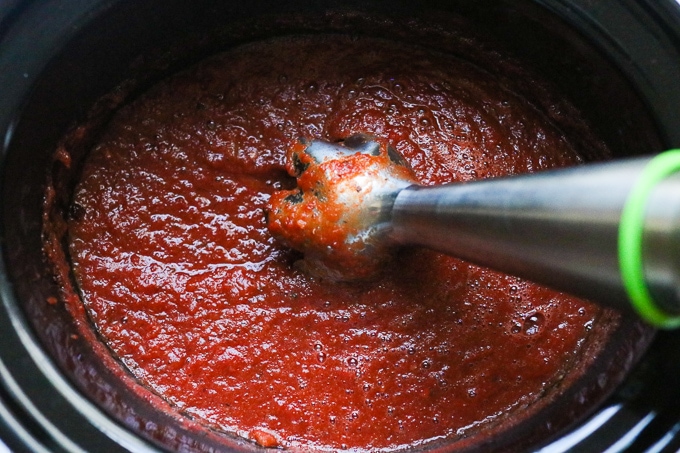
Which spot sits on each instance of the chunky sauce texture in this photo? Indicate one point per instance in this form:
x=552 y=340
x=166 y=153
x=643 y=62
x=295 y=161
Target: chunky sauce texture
x=187 y=287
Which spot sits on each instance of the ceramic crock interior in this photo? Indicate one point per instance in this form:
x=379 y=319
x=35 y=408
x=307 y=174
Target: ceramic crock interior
x=132 y=44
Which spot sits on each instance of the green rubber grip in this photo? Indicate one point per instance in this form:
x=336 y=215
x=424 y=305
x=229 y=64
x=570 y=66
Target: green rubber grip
x=631 y=230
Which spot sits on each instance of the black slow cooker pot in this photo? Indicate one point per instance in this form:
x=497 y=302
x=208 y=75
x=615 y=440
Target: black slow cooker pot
x=618 y=62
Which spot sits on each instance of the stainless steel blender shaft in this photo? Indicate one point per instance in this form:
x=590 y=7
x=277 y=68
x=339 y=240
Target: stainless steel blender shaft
x=609 y=232
x=560 y=228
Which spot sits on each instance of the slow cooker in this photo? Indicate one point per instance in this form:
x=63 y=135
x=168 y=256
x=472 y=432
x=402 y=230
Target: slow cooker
x=618 y=62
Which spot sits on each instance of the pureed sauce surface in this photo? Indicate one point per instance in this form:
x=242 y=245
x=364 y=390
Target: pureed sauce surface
x=183 y=281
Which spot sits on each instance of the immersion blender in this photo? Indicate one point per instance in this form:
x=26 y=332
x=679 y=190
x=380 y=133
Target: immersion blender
x=609 y=232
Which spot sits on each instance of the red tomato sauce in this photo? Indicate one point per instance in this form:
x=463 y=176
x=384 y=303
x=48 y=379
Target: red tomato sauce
x=187 y=287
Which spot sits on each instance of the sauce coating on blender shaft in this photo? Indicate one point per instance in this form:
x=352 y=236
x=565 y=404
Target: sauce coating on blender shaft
x=338 y=215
